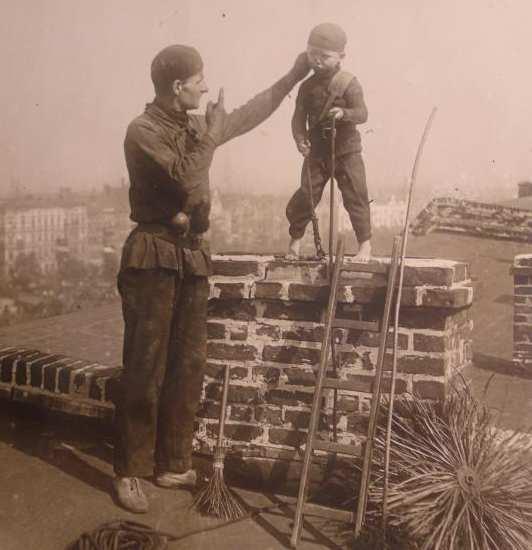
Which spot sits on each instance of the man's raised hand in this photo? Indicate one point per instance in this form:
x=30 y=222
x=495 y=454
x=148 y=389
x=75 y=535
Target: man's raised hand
x=215 y=116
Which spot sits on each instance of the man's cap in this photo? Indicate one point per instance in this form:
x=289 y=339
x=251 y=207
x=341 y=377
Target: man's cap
x=328 y=36
x=176 y=62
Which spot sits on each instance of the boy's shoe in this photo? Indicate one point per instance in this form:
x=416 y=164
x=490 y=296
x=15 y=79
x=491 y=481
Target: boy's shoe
x=130 y=494
x=171 y=480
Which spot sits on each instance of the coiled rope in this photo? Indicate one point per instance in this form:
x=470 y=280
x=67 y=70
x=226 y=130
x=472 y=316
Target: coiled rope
x=123 y=535
x=131 y=535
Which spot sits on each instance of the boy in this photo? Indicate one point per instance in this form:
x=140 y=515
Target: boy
x=329 y=94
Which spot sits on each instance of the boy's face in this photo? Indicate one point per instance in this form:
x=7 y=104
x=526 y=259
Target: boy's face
x=321 y=60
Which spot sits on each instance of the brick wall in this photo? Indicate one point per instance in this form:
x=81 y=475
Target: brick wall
x=522 y=272
x=265 y=322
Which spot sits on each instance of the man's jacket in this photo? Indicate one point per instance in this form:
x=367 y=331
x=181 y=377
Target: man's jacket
x=168 y=156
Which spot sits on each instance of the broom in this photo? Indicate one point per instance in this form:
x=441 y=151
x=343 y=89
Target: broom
x=216 y=498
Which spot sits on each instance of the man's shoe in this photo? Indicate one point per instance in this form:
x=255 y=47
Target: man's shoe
x=130 y=494
x=171 y=480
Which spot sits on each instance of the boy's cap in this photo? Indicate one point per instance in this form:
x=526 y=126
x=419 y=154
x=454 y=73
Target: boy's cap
x=176 y=62
x=328 y=36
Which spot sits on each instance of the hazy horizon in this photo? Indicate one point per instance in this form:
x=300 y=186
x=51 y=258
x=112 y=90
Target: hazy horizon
x=78 y=72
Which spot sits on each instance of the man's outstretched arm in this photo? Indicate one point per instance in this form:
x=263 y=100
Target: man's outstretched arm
x=248 y=116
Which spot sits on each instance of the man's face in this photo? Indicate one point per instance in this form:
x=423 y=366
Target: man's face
x=189 y=92
x=321 y=60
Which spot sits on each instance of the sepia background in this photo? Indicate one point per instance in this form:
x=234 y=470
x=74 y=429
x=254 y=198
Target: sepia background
x=75 y=73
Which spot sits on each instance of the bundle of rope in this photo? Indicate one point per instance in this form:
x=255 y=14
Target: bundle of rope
x=131 y=535
x=123 y=535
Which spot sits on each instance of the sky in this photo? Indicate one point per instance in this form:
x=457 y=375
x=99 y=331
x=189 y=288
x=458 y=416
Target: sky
x=77 y=71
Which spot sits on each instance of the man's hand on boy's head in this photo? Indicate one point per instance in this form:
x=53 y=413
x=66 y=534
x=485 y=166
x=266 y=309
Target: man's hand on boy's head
x=301 y=67
x=303 y=147
x=337 y=113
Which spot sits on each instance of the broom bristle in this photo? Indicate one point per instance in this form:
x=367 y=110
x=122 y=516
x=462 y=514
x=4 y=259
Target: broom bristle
x=216 y=499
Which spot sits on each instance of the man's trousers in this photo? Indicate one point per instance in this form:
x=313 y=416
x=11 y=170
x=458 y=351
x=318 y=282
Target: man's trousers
x=164 y=360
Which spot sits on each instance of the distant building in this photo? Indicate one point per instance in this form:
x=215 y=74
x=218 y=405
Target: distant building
x=389 y=214
x=93 y=226
x=109 y=222
x=41 y=226
x=7 y=305
x=524 y=189
x=246 y=222
x=524 y=197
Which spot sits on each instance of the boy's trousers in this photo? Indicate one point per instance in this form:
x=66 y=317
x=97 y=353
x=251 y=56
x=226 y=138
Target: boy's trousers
x=351 y=177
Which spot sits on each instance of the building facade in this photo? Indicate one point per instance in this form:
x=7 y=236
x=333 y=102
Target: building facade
x=41 y=229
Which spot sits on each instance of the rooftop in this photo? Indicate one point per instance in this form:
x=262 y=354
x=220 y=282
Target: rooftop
x=69 y=464
x=56 y=484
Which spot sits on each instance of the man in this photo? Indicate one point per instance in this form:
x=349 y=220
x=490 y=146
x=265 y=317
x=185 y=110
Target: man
x=163 y=278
